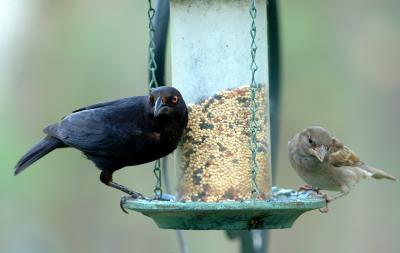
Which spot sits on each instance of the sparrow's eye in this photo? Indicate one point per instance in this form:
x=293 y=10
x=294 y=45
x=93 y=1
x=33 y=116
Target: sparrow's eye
x=151 y=100
x=175 y=99
x=311 y=141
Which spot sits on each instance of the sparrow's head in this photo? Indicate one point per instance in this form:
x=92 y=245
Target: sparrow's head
x=315 y=141
x=167 y=102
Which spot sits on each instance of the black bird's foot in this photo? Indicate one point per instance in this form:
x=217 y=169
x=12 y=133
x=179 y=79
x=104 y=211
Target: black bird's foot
x=122 y=202
x=164 y=197
x=125 y=198
x=136 y=195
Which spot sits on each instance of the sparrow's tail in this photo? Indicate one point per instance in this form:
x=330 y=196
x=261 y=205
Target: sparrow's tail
x=38 y=151
x=377 y=173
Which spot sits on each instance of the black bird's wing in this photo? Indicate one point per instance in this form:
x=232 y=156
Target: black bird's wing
x=98 y=105
x=113 y=128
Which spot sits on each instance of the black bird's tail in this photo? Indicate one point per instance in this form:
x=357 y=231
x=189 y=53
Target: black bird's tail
x=42 y=148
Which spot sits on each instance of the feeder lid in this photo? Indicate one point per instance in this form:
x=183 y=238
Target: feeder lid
x=280 y=211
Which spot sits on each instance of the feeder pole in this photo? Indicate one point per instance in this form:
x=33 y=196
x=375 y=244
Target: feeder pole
x=274 y=78
x=161 y=20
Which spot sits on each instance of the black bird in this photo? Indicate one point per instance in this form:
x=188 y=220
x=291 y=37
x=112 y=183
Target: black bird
x=119 y=133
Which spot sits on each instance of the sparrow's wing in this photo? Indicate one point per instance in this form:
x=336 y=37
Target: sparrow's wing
x=341 y=155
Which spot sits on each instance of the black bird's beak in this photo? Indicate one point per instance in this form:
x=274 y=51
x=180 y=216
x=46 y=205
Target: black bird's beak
x=160 y=107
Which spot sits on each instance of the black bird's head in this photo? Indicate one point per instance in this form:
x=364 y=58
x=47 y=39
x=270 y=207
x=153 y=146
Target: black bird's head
x=167 y=102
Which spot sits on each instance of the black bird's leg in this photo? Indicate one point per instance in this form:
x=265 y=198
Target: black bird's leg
x=106 y=178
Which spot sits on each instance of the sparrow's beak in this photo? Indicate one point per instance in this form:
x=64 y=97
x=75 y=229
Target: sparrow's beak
x=320 y=152
x=160 y=107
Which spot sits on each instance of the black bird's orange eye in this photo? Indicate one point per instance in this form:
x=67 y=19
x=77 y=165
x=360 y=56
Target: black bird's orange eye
x=175 y=99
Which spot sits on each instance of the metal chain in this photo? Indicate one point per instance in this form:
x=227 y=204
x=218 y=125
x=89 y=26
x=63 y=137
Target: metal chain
x=157 y=173
x=153 y=84
x=152 y=62
x=253 y=124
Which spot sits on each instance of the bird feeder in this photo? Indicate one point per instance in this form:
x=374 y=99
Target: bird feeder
x=219 y=56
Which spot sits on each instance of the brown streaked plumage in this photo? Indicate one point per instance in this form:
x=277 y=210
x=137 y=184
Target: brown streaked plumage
x=324 y=163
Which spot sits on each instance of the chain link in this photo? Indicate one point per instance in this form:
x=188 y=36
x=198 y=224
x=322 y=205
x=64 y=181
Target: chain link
x=153 y=84
x=157 y=173
x=253 y=124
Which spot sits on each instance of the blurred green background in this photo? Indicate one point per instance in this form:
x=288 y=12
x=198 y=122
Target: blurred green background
x=340 y=70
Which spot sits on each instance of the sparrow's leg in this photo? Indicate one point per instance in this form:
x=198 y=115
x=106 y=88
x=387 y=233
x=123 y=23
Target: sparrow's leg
x=106 y=178
x=345 y=190
x=326 y=208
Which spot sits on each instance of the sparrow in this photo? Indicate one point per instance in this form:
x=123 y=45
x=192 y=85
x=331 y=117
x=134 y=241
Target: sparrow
x=119 y=133
x=324 y=163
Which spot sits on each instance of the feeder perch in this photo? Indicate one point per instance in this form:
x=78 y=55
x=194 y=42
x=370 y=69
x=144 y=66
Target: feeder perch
x=224 y=162
x=280 y=211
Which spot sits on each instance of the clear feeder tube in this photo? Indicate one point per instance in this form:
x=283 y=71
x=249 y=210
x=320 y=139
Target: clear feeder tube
x=210 y=67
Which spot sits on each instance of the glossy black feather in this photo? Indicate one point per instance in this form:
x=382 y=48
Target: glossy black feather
x=122 y=132
x=113 y=129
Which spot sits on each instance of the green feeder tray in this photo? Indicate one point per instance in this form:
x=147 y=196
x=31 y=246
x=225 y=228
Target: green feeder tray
x=280 y=211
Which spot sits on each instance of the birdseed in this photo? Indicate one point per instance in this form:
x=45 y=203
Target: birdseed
x=215 y=151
